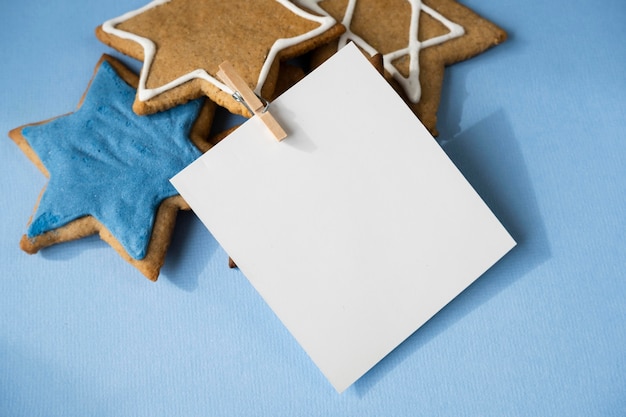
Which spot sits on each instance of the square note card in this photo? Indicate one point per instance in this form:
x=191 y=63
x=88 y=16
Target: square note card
x=355 y=229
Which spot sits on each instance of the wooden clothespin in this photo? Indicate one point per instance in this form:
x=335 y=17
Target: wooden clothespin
x=243 y=93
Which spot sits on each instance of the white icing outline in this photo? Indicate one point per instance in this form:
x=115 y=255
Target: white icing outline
x=410 y=84
x=149 y=48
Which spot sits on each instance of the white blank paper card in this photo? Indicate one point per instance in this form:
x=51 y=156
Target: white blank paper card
x=355 y=229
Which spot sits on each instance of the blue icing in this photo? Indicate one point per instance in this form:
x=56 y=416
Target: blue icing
x=107 y=162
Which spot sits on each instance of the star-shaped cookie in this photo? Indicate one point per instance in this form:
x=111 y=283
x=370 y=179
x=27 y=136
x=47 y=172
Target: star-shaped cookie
x=416 y=38
x=182 y=43
x=109 y=169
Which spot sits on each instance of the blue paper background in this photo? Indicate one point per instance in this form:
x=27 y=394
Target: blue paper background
x=537 y=126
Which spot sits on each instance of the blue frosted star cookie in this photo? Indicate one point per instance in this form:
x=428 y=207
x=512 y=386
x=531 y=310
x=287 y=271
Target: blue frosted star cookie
x=109 y=169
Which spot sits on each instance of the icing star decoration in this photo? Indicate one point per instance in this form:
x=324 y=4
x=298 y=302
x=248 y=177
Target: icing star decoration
x=182 y=43
x=416 y=38
x=109 y=170
x=413 y=46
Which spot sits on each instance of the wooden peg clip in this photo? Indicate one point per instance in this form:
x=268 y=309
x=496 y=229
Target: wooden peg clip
x=229 y=76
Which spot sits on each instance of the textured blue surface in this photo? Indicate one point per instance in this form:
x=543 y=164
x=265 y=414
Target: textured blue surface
x=536 y=124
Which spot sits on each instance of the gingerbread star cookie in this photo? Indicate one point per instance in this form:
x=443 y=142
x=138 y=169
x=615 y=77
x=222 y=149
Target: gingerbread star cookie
x=109 y=169
x=417 y=39
x=182 y=43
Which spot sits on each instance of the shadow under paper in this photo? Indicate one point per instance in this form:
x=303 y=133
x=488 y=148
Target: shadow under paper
x=490 y=158
x=191 y=248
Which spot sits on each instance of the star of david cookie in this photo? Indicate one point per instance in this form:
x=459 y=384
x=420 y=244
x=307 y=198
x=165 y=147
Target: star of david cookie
x=182 y=43
x=109 y=169
x=417 y=39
